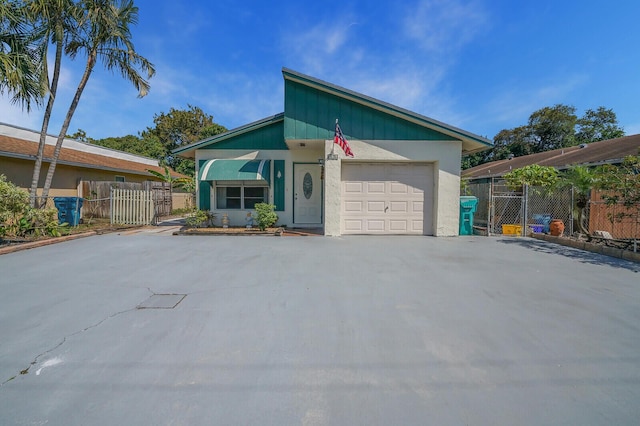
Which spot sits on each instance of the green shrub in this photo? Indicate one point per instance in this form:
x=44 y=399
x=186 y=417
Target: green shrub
x=18 y=219
x=266 y=217
x=200 y=218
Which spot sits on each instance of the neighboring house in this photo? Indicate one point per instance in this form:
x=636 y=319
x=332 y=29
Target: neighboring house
x=611 y=151
x=78 y=162
x=403 y=178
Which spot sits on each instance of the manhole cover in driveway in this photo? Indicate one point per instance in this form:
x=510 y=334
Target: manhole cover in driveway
x=162 y=301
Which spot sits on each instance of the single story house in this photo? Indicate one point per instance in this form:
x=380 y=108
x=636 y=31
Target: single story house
x=78 y=161
x=403 y=178
x=610 y=151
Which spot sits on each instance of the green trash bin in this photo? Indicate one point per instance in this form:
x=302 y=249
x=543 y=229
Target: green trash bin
x=468 y=206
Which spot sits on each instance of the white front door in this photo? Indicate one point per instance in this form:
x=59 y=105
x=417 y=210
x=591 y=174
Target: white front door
x=307 y=201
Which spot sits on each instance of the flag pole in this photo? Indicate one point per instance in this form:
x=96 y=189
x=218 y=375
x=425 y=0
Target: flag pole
x=333 y=145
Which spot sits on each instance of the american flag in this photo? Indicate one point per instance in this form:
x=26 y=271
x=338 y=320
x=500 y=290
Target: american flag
x=340 y=140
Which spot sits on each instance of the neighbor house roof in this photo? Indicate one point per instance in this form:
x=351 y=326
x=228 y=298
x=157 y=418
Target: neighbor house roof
x=16 y=142
x=611 y=151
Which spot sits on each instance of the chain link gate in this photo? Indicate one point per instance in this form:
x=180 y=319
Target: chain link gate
x=503 y=211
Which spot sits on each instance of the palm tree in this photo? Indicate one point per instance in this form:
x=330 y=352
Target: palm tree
x=20 y=58
x=103 y=34
x=56 y=20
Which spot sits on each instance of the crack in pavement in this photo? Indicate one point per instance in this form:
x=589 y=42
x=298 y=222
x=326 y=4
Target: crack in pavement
x=64 y=339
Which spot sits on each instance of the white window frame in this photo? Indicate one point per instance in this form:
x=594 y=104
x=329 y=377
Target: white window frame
x=242 y=184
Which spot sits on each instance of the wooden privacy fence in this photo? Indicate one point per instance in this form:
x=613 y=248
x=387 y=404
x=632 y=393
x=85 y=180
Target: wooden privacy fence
x=132 y=207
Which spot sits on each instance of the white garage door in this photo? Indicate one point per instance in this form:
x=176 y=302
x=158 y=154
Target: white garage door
x=387 y=198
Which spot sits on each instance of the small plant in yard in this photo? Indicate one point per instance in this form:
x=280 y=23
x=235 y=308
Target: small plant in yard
x=200 y=218
x=266 y=217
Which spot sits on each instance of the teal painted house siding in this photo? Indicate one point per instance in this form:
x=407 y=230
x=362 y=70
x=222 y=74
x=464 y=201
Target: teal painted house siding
x=264 y=138
x=204 y=191
x=311 y=114
x=278 y=185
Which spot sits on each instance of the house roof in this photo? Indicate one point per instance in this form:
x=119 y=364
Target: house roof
x=611 y=151
x=16 y=142
x=470 y=142
x=188 y=150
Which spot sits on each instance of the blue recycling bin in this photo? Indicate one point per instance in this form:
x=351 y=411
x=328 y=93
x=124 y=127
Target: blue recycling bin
x=544 y=220
x=468 y=206
x=68 y=209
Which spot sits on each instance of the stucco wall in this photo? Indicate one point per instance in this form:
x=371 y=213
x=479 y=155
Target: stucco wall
x=445 y=157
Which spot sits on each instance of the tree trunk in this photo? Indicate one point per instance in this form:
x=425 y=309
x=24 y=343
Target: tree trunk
x=67 y=121
x=34 y=201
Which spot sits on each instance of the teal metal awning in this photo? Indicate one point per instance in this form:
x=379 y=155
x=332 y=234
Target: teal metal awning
x=235 y=170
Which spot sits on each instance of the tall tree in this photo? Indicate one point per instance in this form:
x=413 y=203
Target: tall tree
x=20 y=58
x=553 y=127
x=54 y=20
x=133 y=144
x=598 y=125
x=178 y=128
x=103 y=34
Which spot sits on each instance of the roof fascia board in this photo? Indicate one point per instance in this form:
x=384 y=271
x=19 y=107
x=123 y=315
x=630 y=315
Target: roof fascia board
x=231 y=133
x=382 y=106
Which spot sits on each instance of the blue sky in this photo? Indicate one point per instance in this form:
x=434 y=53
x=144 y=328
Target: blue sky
x=482 y=65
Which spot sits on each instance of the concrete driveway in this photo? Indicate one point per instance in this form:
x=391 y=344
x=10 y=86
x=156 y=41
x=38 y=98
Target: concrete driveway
x=317 y=331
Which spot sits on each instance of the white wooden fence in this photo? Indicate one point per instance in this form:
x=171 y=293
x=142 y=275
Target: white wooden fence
x=131 y=207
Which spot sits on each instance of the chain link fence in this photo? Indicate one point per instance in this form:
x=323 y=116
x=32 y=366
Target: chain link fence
x=503 y=211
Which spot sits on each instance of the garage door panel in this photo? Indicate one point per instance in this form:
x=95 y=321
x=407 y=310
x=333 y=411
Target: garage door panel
x=375 y=188
x=398 y=207
x=375 y=225
x=398 y=225
x=353 y=206
x=353 y=187
x=353 y=225
x=375 y=206
x=398 y=188
x=416 y=225
x=386 y=198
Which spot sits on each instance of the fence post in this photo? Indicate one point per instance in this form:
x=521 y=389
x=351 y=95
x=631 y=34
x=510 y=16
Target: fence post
x=525 y=206
x=111 y=205
x=491 y=209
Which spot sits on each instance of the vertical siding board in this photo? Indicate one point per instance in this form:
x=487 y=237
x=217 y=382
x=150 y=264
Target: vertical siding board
x=324 y=117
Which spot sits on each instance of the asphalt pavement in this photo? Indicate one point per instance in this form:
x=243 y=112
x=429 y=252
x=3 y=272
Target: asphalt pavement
x=147 y=328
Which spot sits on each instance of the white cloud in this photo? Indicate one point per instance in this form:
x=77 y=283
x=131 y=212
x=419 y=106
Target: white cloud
x=445 y=25
x=319 y=47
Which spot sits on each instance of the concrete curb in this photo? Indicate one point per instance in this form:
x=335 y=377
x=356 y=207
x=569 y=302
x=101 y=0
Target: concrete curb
x=41 y=243
x=594 y=248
